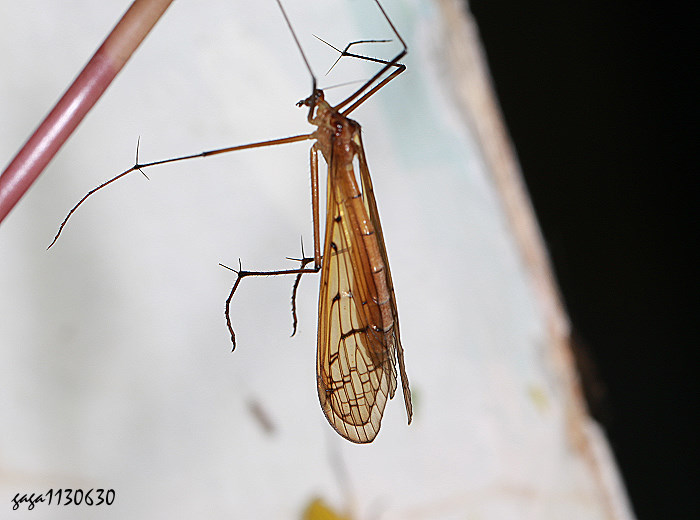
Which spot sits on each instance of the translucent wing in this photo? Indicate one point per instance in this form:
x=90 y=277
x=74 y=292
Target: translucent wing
x=371 y=207
x=358 y=325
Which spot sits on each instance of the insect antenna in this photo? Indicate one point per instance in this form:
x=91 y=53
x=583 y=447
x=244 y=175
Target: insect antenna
x=301 y=50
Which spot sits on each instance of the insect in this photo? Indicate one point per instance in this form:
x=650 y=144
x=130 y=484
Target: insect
x=359 y=344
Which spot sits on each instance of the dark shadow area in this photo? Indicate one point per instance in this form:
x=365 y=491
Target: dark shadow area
x=598 y=98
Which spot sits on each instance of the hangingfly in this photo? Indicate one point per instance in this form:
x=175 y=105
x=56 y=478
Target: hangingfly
x=359 y=344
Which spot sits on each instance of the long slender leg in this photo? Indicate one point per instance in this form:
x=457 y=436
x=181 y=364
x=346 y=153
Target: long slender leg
x=140 y=166
x=376 y=88
x=387 y=64
x=315 y=205
x=243 y=274
x=392 y=63
x=345 y=52
x=316 y=259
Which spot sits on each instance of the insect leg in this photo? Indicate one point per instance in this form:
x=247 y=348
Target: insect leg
x=313 y=160
x=141 y=166
x=316 y=259
x=240 y=274
x=345 y=52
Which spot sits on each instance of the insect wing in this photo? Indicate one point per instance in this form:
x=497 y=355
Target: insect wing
x=358 y=328
x=371 y=206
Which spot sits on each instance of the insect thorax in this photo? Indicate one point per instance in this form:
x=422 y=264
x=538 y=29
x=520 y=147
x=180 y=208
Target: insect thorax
x=334 y=133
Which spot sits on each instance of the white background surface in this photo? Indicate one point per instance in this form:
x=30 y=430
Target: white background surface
x=115 y=362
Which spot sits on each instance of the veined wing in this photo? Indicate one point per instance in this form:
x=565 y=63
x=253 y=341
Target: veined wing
x=371 y=207
x=358 y=334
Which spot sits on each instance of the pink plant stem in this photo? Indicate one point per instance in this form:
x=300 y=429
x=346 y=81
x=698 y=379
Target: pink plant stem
x=87 y=88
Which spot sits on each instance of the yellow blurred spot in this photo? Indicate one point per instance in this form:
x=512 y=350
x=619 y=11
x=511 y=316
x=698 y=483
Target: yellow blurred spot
x=319 y=510
x=539 y=397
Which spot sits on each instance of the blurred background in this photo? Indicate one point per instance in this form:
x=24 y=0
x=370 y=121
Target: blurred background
x=116 y=368
x=601 y=102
